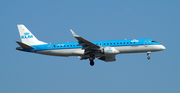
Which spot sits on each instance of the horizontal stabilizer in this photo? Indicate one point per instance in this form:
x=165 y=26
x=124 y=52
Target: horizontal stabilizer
x=25 y=46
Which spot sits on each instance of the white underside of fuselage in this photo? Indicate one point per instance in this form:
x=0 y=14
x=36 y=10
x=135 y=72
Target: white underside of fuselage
x=121 y=49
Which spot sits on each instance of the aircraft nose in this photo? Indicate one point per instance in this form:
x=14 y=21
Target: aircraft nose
x=162 y=47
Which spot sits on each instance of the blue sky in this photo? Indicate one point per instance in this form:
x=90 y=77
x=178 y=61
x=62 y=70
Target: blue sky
x=50 y=21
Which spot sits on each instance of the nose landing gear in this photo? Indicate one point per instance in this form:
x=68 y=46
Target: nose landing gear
x=148 y=55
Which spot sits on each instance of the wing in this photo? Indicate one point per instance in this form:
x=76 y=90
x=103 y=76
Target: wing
x=87 y=45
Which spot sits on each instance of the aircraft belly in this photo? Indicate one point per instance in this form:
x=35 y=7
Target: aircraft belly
x=58 y=52
x=78 y=52
x=65 y=52
x=137 y=49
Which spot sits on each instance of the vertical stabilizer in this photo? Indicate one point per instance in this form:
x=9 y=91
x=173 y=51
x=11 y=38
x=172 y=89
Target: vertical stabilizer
x=27 y=37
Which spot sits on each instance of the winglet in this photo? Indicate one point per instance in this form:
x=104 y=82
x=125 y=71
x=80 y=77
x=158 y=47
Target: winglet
x=74 y=34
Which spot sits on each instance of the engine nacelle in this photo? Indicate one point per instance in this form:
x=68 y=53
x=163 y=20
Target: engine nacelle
x=108 y=58
x=109 y=51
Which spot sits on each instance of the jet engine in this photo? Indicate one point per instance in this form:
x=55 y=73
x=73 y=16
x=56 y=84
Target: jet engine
x=108 y=58
x=109 y=51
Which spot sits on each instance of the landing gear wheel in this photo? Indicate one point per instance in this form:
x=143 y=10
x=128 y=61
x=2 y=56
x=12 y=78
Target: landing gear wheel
x=92 y=63
x=91 y=58
x=148 y=55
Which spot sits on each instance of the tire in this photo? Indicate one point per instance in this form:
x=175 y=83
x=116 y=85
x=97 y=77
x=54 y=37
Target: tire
x=92 y=63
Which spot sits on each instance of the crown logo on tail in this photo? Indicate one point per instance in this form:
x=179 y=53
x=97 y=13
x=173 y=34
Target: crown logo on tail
x=26 y=35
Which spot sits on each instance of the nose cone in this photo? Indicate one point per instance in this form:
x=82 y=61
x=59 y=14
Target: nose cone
x=162 y=47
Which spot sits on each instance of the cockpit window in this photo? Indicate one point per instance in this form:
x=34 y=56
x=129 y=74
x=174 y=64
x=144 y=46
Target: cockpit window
x=153 y=41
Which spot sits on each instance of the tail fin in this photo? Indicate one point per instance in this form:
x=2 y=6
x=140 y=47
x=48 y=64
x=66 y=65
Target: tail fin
x=27 y=37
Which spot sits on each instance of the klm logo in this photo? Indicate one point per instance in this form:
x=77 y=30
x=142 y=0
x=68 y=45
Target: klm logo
x=134 y=40
x=26 y=36
x=109 y=50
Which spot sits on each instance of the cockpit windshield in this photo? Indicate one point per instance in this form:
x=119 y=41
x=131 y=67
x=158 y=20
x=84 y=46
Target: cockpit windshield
x=153 y=41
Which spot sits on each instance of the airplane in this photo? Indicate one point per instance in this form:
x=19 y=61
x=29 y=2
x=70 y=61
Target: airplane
x=103 y=50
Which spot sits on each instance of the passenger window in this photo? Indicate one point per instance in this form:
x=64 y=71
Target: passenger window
x=67 y=45
x=71 y=45
x=111 y=43
x=104 y=43
x=121 y=43
x=107 y=43
x=54 y=46
x=131 y=42
x=114 y=43
x=127 y=42
x=124 y=42
x=117 y=43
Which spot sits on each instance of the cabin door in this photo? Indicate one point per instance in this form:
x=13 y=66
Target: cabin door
x=145 y=43
x=49 y=48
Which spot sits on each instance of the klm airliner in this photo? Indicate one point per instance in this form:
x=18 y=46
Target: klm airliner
x=103 y=50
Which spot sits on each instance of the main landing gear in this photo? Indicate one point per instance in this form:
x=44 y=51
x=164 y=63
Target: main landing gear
x=148 y=55
x=91 y=59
